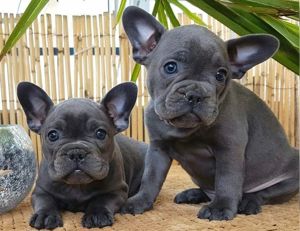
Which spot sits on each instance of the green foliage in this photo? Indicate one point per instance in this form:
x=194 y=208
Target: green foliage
x=241 y=16
x=30 y=14
x=245 y=17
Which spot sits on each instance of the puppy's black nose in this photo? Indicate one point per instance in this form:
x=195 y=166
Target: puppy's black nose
x=76 y=154
x=193 y=97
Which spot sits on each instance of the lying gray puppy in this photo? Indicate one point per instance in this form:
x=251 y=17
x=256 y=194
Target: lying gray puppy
x=222 y=134
x=86 y=166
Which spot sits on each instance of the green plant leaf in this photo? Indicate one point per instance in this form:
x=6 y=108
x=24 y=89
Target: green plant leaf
x=120 y=12
x=277 y=4
x=135 y=72
x=170 y=13
x=288 y=30
x=30 y=14
x=244 y=23
x=186 y=11
x=288 y=55
x=162 y=16
x=155 y=8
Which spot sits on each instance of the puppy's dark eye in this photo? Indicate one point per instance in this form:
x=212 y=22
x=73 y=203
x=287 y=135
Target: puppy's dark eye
x=100 y=134
x=170 y=68
x=53 y=135
x=221 y=75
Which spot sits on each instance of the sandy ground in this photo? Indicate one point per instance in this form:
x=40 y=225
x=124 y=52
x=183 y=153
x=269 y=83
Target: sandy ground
x=169 y=216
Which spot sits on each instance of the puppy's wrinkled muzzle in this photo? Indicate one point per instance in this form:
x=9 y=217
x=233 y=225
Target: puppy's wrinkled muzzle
x=79 y=163
x=188 y=104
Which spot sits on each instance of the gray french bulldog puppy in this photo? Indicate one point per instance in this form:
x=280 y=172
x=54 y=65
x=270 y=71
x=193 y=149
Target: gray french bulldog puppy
x=86 y=165
x=221 y=133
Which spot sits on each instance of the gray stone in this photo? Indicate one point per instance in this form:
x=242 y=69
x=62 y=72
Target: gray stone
x=17 y=166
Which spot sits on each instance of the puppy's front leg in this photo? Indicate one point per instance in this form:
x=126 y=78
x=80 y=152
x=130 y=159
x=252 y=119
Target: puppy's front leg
x=229 y=180
x=46 y=214
x=100 y=211
x=157 y=165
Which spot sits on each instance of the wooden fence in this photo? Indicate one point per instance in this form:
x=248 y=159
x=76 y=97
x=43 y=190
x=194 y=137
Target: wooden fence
x=84 y=56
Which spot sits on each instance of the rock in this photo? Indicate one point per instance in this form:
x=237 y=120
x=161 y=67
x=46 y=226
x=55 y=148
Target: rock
x=17 y=166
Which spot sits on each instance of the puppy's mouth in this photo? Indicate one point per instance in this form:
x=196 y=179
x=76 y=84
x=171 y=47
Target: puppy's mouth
x=189 y=120
x=78 y=176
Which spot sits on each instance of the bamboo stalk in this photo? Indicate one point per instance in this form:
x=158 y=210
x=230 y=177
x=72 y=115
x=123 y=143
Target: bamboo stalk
x=113 y=50
x=102 y=54
x=45 y=54
x=107 y=50
x=90 y=71
x=60 y=64
x=76 y=61
x=37 y=52
x=53 y=78
x=66 y=48
x=5 y=114
x=11 y=74
x=97 y=77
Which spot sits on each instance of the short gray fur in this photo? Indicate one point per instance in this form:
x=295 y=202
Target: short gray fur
x=87 y=166
x=222 y=134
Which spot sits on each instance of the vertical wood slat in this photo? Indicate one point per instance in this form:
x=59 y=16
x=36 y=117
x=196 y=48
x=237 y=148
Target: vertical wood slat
x=113 y=49
x=97 y=77
x=32 y=78
x=11 y=73
x=60 y=65
x=102 y=55
x=124 y=63
x=53 y=91
x=5 y=114
x=90 y=72
x=84 y=50
x=76 y=61
x=19 y=76
x=36 y=48
x=1 y=71
x=45 y=54
x=66 y=53
x=107 y=51
x=80 y=57
x=96 y=73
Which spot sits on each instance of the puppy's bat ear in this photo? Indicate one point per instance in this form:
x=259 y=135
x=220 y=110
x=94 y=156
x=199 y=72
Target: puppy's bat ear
x=36 y=104
x=119 y=102
x=250 y=50
x=143 y=31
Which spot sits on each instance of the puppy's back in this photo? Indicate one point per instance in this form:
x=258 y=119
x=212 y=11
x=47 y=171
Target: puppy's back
x=133 y=153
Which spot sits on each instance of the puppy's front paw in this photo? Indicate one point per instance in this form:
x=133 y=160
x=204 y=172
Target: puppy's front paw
x=191 y=196
x=98 y=219
x=213 y=213
x=250 y=204
x=136 y=205
x=46 y=220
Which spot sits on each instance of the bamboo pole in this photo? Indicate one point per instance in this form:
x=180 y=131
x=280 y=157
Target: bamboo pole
x=45 y=54
x=60 y=64
x=102 y=55
x=66 y=52
x=97 y=77
x=90 y=71
x=53 y=78
x=76 y=60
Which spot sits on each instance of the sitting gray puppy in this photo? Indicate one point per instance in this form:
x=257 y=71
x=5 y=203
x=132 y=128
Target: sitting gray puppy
x=222 y=134
x=85 y=167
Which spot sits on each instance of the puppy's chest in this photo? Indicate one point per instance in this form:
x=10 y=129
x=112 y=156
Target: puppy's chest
x=197 y=159
x=74 y=199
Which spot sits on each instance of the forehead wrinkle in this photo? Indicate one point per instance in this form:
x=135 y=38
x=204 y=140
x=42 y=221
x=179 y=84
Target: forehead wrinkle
x=94 y=123
x=74 y=113
x=57 y=124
